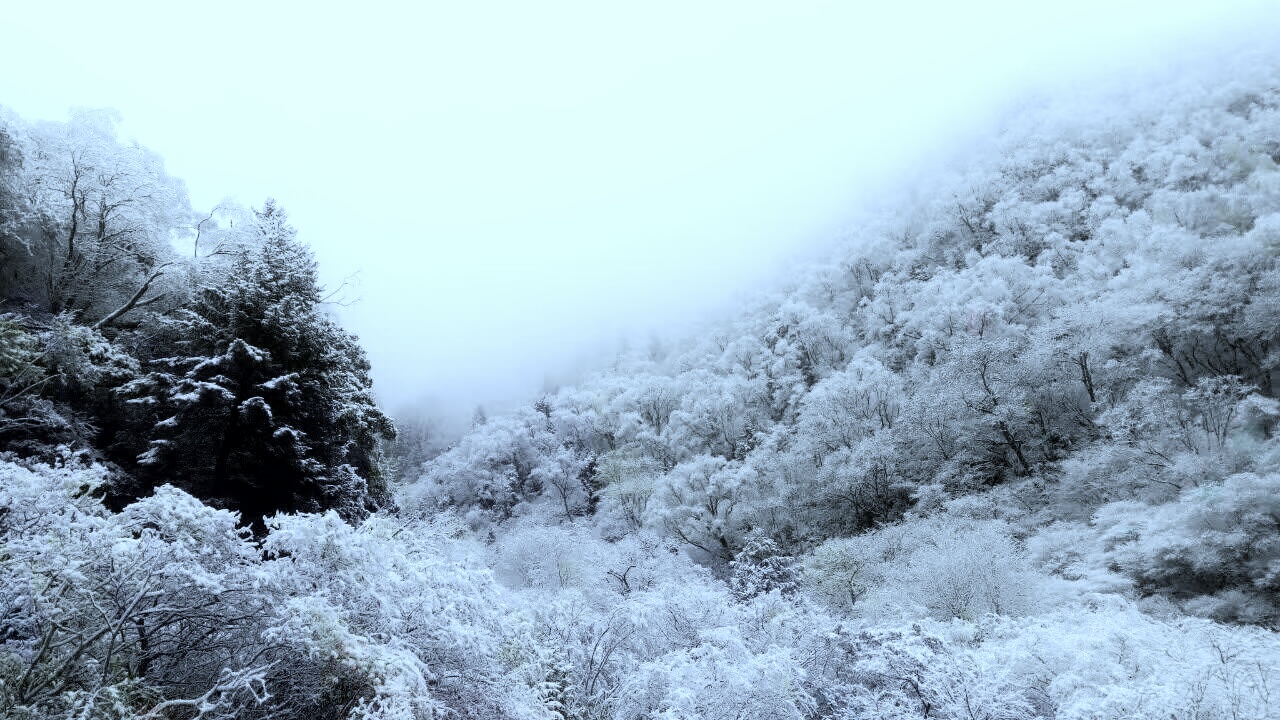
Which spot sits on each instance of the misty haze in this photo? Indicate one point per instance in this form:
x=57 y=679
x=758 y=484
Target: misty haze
x=671 y=361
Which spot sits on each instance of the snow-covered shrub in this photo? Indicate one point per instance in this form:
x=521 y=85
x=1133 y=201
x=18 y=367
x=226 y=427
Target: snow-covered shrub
x=106 y=614
x=761 y=567
x=548 y=557
x=1106 y=660
x=698 y=503
x=719 y=678
x=1216 y=549
x=842 y=572
x=942 y=567
x=1075 y=553
x=911 y=673
x=380 y=622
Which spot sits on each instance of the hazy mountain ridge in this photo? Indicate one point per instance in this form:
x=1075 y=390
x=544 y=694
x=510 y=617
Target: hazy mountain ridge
x=1051 y=376
x=1011 y=456
x=1025 y=318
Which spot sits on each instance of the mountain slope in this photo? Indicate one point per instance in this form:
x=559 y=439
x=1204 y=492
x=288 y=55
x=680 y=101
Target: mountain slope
x=1041 y=393
x=1010 y=454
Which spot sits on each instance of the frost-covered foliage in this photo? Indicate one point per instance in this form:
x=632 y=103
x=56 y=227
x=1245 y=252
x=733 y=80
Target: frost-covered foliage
x=1217 y=547
x=1087 y=315
x=401 y=619
x=168 y=608
x=1011 y=454
x=494 y=473
x=122 y=614
x=217 y=369
x=266 y=405
x=943 y=568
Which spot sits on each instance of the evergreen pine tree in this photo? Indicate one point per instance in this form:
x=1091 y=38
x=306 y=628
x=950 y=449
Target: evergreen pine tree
x=266 y=405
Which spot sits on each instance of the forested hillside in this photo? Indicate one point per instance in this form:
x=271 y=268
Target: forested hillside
x=1034 y=405
x=1010 y=454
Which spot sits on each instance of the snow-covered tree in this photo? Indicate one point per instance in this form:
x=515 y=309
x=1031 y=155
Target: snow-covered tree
x=266 y=404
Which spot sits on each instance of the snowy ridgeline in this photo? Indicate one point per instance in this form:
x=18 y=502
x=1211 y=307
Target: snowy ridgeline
x=1012 y=456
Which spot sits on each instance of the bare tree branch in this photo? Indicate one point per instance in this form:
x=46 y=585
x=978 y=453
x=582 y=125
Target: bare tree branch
x=136 y=301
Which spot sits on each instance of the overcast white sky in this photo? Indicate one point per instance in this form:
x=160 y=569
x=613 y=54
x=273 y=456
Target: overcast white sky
x=521 y=182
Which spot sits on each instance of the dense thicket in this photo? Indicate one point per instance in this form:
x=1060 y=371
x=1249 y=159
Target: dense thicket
x=178 y=348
